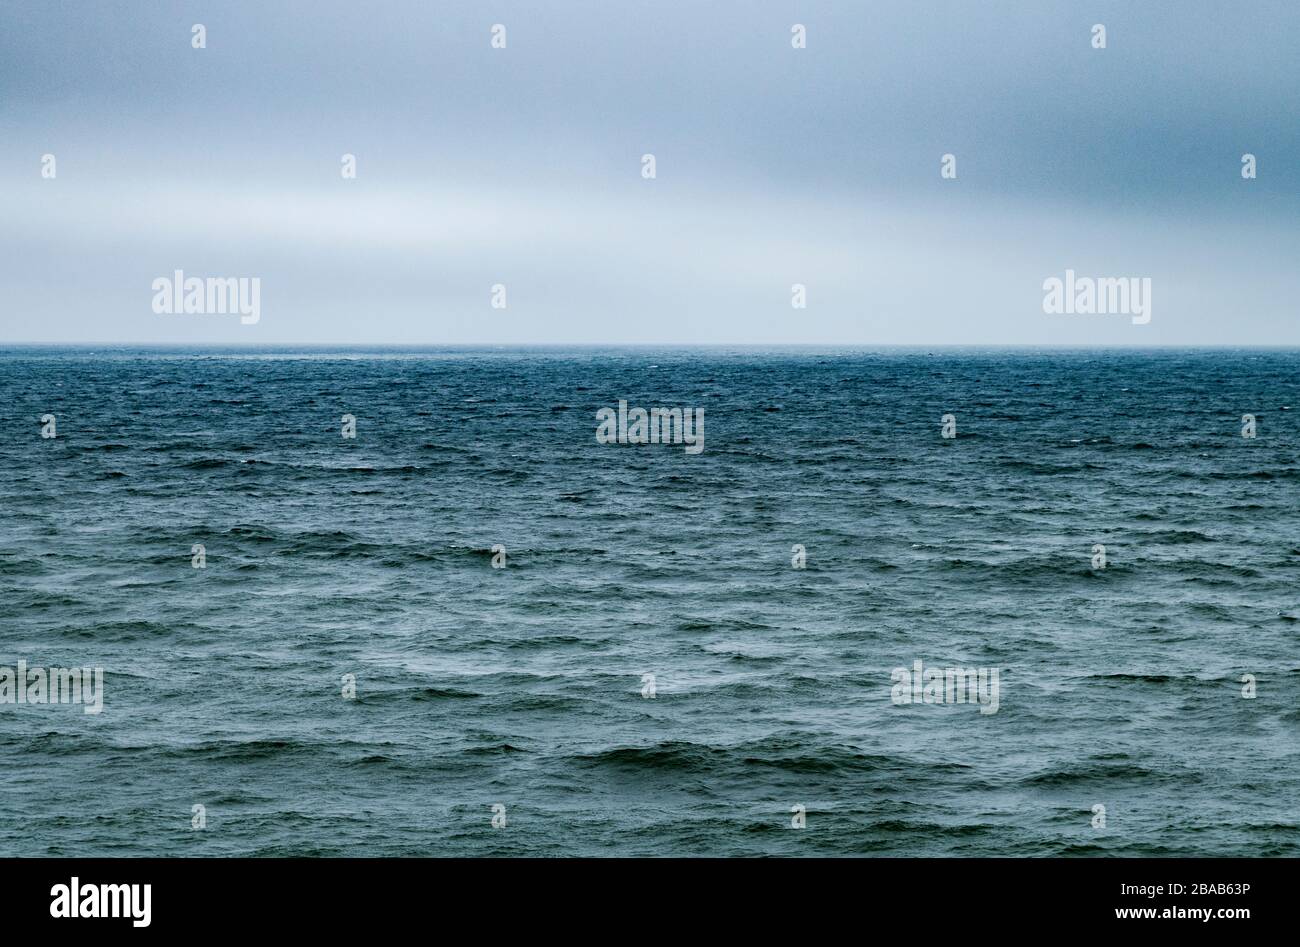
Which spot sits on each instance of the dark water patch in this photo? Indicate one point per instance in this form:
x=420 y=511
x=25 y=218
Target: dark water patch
x=1083 y=774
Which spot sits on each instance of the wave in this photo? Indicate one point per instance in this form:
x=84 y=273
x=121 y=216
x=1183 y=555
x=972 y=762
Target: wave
x=1105 y=771
x=793 y=753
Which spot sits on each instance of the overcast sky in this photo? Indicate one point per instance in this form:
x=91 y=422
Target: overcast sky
x=522 y=166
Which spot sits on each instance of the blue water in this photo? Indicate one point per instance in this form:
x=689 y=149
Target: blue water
x=522 y=686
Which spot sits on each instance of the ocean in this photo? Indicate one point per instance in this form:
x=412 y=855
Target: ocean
x=473 y=629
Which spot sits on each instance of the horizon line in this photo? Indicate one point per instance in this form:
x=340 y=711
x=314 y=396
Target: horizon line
x=482 y=346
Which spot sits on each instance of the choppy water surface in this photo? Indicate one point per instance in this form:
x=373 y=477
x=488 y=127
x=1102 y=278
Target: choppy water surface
x=523 y=685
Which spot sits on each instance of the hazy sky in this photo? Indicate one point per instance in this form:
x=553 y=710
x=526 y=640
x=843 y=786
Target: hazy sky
x=522 y=166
